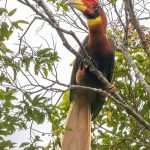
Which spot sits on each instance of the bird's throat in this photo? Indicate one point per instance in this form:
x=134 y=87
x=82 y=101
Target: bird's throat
x=94 y=22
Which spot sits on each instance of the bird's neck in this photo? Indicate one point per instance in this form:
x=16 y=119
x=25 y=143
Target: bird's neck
x=98 y=41
x=94 y=21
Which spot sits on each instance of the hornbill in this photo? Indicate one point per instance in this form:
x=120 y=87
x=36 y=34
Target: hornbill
x=86 y=104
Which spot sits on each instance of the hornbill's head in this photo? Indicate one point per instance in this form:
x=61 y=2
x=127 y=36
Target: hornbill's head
x=90 y=8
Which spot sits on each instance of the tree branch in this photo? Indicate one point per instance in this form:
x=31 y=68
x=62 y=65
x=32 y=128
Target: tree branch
x=136 y=71
x=136 y=24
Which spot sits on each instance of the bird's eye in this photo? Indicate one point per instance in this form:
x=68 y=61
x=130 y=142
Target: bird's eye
x=96 y=7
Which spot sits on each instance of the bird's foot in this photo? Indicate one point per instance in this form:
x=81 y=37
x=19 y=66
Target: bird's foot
x=81 y=72
x=111 y=89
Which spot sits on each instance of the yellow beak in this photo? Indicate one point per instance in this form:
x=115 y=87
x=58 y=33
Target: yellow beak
x=78 y=4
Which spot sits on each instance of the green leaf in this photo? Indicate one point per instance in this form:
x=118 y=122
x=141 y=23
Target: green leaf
x=24 y=144
x=2 y=93
x=2 y=10
x=26 y=61
x=7 y=103
x=22 y=21
x=6 y=58
x=3 y=78
x=5 y=29
x=9 y=94
x=22 y=125
x=23 y=50
x=16 y=25
x=15 y=73
x=12 y=12
x=64 y=105
x=63 y=5
x=42 y=52
x=45 y=71
x=36 y=69
x=27 y=96
x=4 y=145
x=112 y=1
x=4 y=132
x=122 y=126
x=40 y=116
x=4 y=33
x=37 y=139
x=148 y=79
x=36 y=100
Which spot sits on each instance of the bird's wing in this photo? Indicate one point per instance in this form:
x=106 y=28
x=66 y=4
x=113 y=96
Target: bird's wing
x=76 y=67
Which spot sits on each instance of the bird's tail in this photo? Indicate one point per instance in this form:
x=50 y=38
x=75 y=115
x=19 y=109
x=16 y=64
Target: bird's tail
x=77 y=133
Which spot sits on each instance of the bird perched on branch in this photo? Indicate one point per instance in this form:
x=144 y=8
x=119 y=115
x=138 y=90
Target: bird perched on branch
x=86 y=104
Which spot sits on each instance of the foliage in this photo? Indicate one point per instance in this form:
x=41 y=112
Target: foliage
x=30 y=92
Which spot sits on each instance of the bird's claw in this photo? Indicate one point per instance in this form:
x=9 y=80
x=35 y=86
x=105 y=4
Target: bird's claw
x=111 y=89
